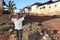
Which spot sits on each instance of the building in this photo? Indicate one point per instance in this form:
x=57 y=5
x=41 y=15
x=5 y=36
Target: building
x=47 y=8
x=52 y=8
x=1 y=6
x=27 y=9
x=34 y=7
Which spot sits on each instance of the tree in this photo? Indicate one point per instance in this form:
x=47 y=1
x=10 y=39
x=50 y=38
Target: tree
x=10 y=6
x=3 y=2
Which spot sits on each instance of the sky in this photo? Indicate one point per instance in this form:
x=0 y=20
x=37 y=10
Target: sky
x=22 y=3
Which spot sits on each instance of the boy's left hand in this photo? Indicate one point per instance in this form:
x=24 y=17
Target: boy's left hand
x=24 y=15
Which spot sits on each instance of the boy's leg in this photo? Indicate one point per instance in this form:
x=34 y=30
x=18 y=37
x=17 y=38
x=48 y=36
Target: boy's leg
x=17 y=34
x=20 y=34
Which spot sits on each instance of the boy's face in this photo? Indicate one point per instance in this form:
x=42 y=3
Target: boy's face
x=23 y=15
x=18 y=15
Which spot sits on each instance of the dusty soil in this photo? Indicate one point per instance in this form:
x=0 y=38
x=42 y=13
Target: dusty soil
x=55 y=22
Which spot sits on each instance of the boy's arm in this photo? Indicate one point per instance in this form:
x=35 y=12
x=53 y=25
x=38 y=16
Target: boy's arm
x=24 y=15
x=11 y=15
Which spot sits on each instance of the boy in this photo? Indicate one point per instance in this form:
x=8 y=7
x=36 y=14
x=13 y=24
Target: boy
x=18 y=24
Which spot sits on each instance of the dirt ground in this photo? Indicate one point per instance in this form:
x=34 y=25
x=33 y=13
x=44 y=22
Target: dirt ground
x=55 y=22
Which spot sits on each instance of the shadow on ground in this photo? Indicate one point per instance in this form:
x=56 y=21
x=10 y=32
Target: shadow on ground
x=34 y=35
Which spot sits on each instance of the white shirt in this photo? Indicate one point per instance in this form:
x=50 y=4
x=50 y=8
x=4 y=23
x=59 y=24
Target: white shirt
x=18 y=23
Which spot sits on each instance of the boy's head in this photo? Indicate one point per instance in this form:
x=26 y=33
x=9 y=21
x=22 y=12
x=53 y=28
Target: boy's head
x=18 y=15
